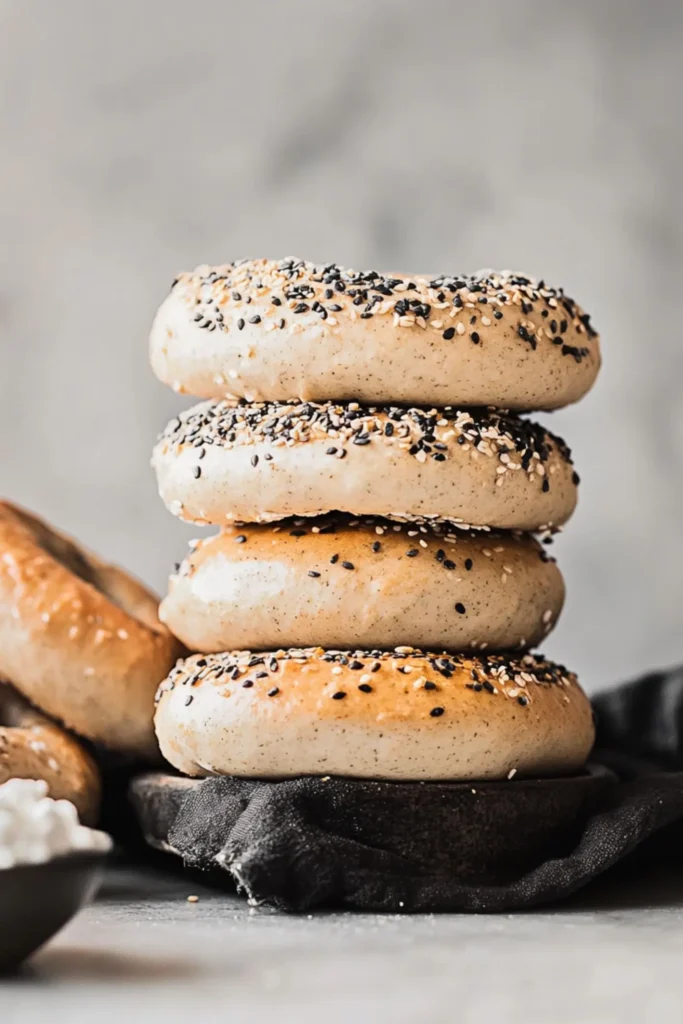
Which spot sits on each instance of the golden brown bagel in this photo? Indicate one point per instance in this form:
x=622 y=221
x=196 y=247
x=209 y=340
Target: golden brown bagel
x=339 y=581
x=268 y=330
x=33 y=747
x=78 y=638
x=402 y=714
x=221 y=463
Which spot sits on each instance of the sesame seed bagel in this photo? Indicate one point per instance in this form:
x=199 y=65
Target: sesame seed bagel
x=392 y=715
x=269 y=330
x=337 y=580
x=33 y=747
x=220 y=463
x=80 y=639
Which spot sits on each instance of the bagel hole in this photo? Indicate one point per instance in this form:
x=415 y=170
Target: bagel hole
x=66 y=553
x=13 y=707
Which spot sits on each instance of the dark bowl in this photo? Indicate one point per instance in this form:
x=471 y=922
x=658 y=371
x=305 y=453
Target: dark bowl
x=37 y=900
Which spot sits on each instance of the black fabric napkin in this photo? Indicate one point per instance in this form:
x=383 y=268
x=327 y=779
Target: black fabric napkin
x=291 y=844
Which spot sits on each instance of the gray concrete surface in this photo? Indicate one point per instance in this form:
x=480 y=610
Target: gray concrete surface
x=610 y=956
x=138 y=139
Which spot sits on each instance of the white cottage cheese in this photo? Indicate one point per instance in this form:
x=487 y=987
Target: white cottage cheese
x=34 y=828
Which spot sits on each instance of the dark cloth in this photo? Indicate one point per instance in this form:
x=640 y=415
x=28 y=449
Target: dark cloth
x=268 y=837
x=294 y=845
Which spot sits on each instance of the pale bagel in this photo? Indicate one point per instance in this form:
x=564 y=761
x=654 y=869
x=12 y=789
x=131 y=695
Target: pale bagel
x=364 y=583
x=221 y=463
x=269 y=330
x=395 y=715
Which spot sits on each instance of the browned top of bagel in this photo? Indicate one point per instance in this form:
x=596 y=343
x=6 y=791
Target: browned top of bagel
x=33 y=747
x=79 y=638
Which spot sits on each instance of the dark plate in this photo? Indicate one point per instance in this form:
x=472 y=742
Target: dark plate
x=37 y=900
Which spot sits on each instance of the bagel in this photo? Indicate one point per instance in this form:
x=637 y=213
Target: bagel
x=33 y=747
x=371 y=583
x=393 y=715
x=219 y=463
x=267 y=330
x=80 y=640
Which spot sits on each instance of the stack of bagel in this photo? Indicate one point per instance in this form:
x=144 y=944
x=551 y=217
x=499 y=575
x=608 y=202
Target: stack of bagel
x=369 y=604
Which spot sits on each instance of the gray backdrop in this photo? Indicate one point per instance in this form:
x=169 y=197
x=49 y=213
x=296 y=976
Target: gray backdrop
x=139 y=138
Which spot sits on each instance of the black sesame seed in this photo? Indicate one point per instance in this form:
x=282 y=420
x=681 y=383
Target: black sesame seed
x=348 y=565
x=475 y=337
x=448 y=564
x=468 y=564
x=331 y=451
x=449 y=333
x=498 y=315
x=523 y=701
x=247 y=684
x=412 y=553
x=255 y=319
x=254 y=460
x=197 y=472
x=460 y=608
x=241 y=539
x=356 y=665
x=188 y=699
x=436 y=712
x=365 y=688
x=274 y=692
x=339 y=695
x=576 y=479
x=313 y=573
x=240 y=324
x=545 y=486
x=334 y=559
x=429 y=685
x=376 y=546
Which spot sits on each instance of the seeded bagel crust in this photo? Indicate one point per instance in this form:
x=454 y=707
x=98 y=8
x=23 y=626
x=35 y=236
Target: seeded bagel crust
x=221 y=463
x=392 y=715
x=268 y=330
x=337 y=581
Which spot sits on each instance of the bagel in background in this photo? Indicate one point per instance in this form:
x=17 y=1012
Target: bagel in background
x=81 y=640
x=33 y=747
x=221 y=463
x=269 y=330
x=400 y=714
x=370 y=583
